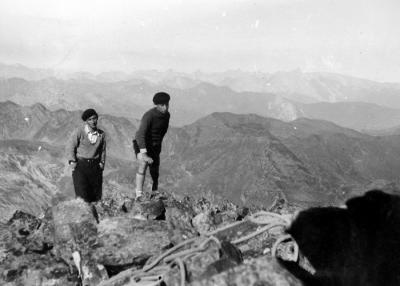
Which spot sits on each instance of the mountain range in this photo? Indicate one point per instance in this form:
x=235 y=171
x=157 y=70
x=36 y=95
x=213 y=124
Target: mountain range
x=247 y=159
x=252 y=159
x=359 y=104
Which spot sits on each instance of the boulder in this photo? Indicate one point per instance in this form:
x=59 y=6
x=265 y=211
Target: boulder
x=149 y=210
x=75 y=232
x=24 y=254
x=179 y=221
x=28 y=231
x=126 y=241
x=36 y=269
x=214 y=259
x=194 y=266
x=230 y=256
x=256 y=272
x=23 y=223
x=204 y=222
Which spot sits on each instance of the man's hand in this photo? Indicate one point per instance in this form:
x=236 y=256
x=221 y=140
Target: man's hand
x=72 y=165
x=101 y=165
x=145 y=157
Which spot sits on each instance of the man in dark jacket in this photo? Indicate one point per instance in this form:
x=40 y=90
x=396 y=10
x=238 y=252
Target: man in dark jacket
x=148 y=140
x=86 y=153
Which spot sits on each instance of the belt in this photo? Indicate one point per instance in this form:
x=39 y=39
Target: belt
x=89 y=160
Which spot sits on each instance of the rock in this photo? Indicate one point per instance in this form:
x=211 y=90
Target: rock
x=242 y=212
x=254 y=246
x=24 y=257
x=23 y=227
x=75 y=230
x=150 y=210
x=72 y=213
x=79 y=243
x=112 y=205
x=127 y=241
x=230 y=251
x=237 y=231
x=215 y=259
x=23 y=223
x=24 y=233
x=9 y=244
x=36 y=269
x=256 y=272
x=160 y=195
x=121 y=204
x=42 y=240
x=218 y=267
x=257 y=245
x=204 y=222
x=230 y=256
x=199 y=205
x=224 y=218
x=179 y=221
x=194 y=265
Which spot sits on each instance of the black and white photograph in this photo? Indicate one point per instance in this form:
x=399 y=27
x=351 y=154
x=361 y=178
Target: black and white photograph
x=200 y=142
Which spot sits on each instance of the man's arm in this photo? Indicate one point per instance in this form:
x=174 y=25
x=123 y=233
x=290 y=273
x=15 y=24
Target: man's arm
x=141 y=138
x=141 y=132
x=166 y=128
x=103 y=152
x=72 y=144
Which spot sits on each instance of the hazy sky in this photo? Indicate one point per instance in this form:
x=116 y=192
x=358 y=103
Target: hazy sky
x=355 y=37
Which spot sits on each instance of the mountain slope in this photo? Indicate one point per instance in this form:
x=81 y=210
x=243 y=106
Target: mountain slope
x=251 y=159
x=247 y=159
x=29 y=175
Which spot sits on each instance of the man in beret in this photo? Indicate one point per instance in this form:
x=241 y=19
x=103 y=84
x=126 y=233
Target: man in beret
x=148 y=140
x=86 y=153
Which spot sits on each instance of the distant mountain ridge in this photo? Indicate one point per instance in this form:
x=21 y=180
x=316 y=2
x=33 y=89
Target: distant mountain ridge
x=350 y=102
x=305 y=87
x=131 y=99
x=356 y=115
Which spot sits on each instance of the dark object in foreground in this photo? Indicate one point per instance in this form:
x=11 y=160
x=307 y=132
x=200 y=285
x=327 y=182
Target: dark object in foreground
x=357 y=246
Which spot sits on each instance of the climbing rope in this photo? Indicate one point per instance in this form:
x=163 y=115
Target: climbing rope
x=169 y=251
x=152 y=275
x=182 y=270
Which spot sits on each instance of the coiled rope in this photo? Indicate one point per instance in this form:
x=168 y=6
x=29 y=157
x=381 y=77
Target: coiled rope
x=152 y=275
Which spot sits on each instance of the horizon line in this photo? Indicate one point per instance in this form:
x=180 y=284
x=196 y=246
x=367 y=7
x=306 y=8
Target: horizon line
x=67 y=72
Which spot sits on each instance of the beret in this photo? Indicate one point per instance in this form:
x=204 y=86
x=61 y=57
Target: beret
x=161 y=98
x=88 y=113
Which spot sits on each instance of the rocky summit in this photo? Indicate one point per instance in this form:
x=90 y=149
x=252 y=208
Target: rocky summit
x=164 y=240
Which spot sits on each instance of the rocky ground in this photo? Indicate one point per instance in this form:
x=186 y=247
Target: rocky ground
x=160 y=241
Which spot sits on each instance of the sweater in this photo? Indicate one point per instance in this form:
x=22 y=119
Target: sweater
x=79 y=146
x=152 y=129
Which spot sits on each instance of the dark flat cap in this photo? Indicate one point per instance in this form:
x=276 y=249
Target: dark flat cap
x=88 y=113
x=161 y=98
